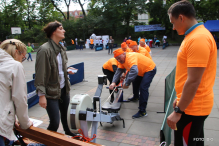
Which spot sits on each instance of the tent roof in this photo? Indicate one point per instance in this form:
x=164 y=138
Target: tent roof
x=212 y=25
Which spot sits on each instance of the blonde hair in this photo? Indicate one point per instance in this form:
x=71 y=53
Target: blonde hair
x=11 y=45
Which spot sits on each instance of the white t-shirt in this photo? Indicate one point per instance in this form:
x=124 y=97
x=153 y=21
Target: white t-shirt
x=96 y=41
x=101 y=41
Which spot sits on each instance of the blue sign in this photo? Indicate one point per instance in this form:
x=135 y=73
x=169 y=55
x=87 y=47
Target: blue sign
x=153 y=27
x=98 y=48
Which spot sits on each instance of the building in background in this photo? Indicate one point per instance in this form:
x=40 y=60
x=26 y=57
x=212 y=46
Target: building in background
x=76 y=14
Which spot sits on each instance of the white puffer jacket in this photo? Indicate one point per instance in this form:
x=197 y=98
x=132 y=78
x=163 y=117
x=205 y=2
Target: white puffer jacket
x=13 y=95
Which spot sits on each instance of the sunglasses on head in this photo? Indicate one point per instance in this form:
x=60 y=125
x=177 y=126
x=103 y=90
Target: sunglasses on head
x=24 y=57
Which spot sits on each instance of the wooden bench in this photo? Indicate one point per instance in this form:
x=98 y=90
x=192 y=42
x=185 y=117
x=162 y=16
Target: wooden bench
x=51 y=138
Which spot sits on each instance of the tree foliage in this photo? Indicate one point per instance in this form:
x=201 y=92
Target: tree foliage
x=111 y=17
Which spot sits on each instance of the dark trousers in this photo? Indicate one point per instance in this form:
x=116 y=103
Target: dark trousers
x=54 y=106
x=110 y=48
x=142 y=84
x=165 y=45
x=91 y=46
x=29 y=56
x=190 y=128
x=109 y=74
x=2 y=141
x=81 y=47
x=157 y=43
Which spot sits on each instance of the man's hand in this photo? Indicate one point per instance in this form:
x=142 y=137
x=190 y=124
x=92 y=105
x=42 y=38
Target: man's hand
x=43 y=101
x=112 y=86
x=125 y=87
x=172 y=119
x=174 y=103
x=70 y=72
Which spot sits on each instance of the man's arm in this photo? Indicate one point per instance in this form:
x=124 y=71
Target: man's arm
x=117 y=75
x=188 y=93
x=191 y=86
x=114 y=68
x=132 y=74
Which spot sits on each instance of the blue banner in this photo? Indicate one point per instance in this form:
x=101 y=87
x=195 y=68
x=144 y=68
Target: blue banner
x=153 y=27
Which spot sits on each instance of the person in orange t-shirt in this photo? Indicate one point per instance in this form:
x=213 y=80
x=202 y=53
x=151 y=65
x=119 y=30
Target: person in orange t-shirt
x=135 y=48
x=195 y=76
x=124 y=47
x=109 y=68
x=144 y=45
x=91 y=43
x=72 y=42
x=141 y=73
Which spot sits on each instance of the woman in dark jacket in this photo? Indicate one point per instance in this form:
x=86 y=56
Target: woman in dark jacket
x=51 y=78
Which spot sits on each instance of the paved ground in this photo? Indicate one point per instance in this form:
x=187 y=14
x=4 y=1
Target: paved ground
x=144 y=131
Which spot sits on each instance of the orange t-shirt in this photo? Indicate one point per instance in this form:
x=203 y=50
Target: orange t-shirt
x=198 y=49
x=147 y=48
x=72 y=41
x=144 y=63
x=128 y=50
x=109 y=64
x=143 y=51
x=91 y=41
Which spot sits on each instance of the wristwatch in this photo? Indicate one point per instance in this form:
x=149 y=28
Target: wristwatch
x=126 y=84
x=177 y=110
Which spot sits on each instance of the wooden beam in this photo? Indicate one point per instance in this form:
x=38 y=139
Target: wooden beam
x=51 y=138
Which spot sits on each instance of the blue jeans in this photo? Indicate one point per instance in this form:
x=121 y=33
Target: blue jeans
x=2 y=142
x=53 y=108
x=29 y=56
x=143 y=84
x=81 y=47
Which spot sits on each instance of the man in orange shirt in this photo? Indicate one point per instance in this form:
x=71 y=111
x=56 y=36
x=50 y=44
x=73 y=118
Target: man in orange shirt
x=195 y=76
x=135 y=48
x=109 y=68
x=141 y=73
x=91 y=43
x=124 y=47
x=144 y=45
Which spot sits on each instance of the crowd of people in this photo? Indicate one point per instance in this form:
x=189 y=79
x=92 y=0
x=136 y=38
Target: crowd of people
x=131 y=64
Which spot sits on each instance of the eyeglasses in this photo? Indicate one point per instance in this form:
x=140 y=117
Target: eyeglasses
x=24 y=57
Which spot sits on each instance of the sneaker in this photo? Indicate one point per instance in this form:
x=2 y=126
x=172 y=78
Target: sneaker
x=139 y=115
x=133 y=99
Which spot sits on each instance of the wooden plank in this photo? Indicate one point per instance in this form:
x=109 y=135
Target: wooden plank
x=51 y=138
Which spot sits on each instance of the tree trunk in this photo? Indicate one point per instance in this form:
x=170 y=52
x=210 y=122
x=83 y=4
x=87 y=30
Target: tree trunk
x=127 y=27
x=28 y=13
x=173 y=34
x=67 y=12
x=58 y=9
x=82 y=8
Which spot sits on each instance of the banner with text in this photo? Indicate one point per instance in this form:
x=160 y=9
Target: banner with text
x=153 y=27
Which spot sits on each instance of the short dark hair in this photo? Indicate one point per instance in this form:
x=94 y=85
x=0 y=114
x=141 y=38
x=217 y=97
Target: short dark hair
x=183 y=7
x=51 y=27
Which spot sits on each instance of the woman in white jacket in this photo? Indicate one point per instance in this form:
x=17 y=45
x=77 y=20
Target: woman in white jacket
x=13 y=90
